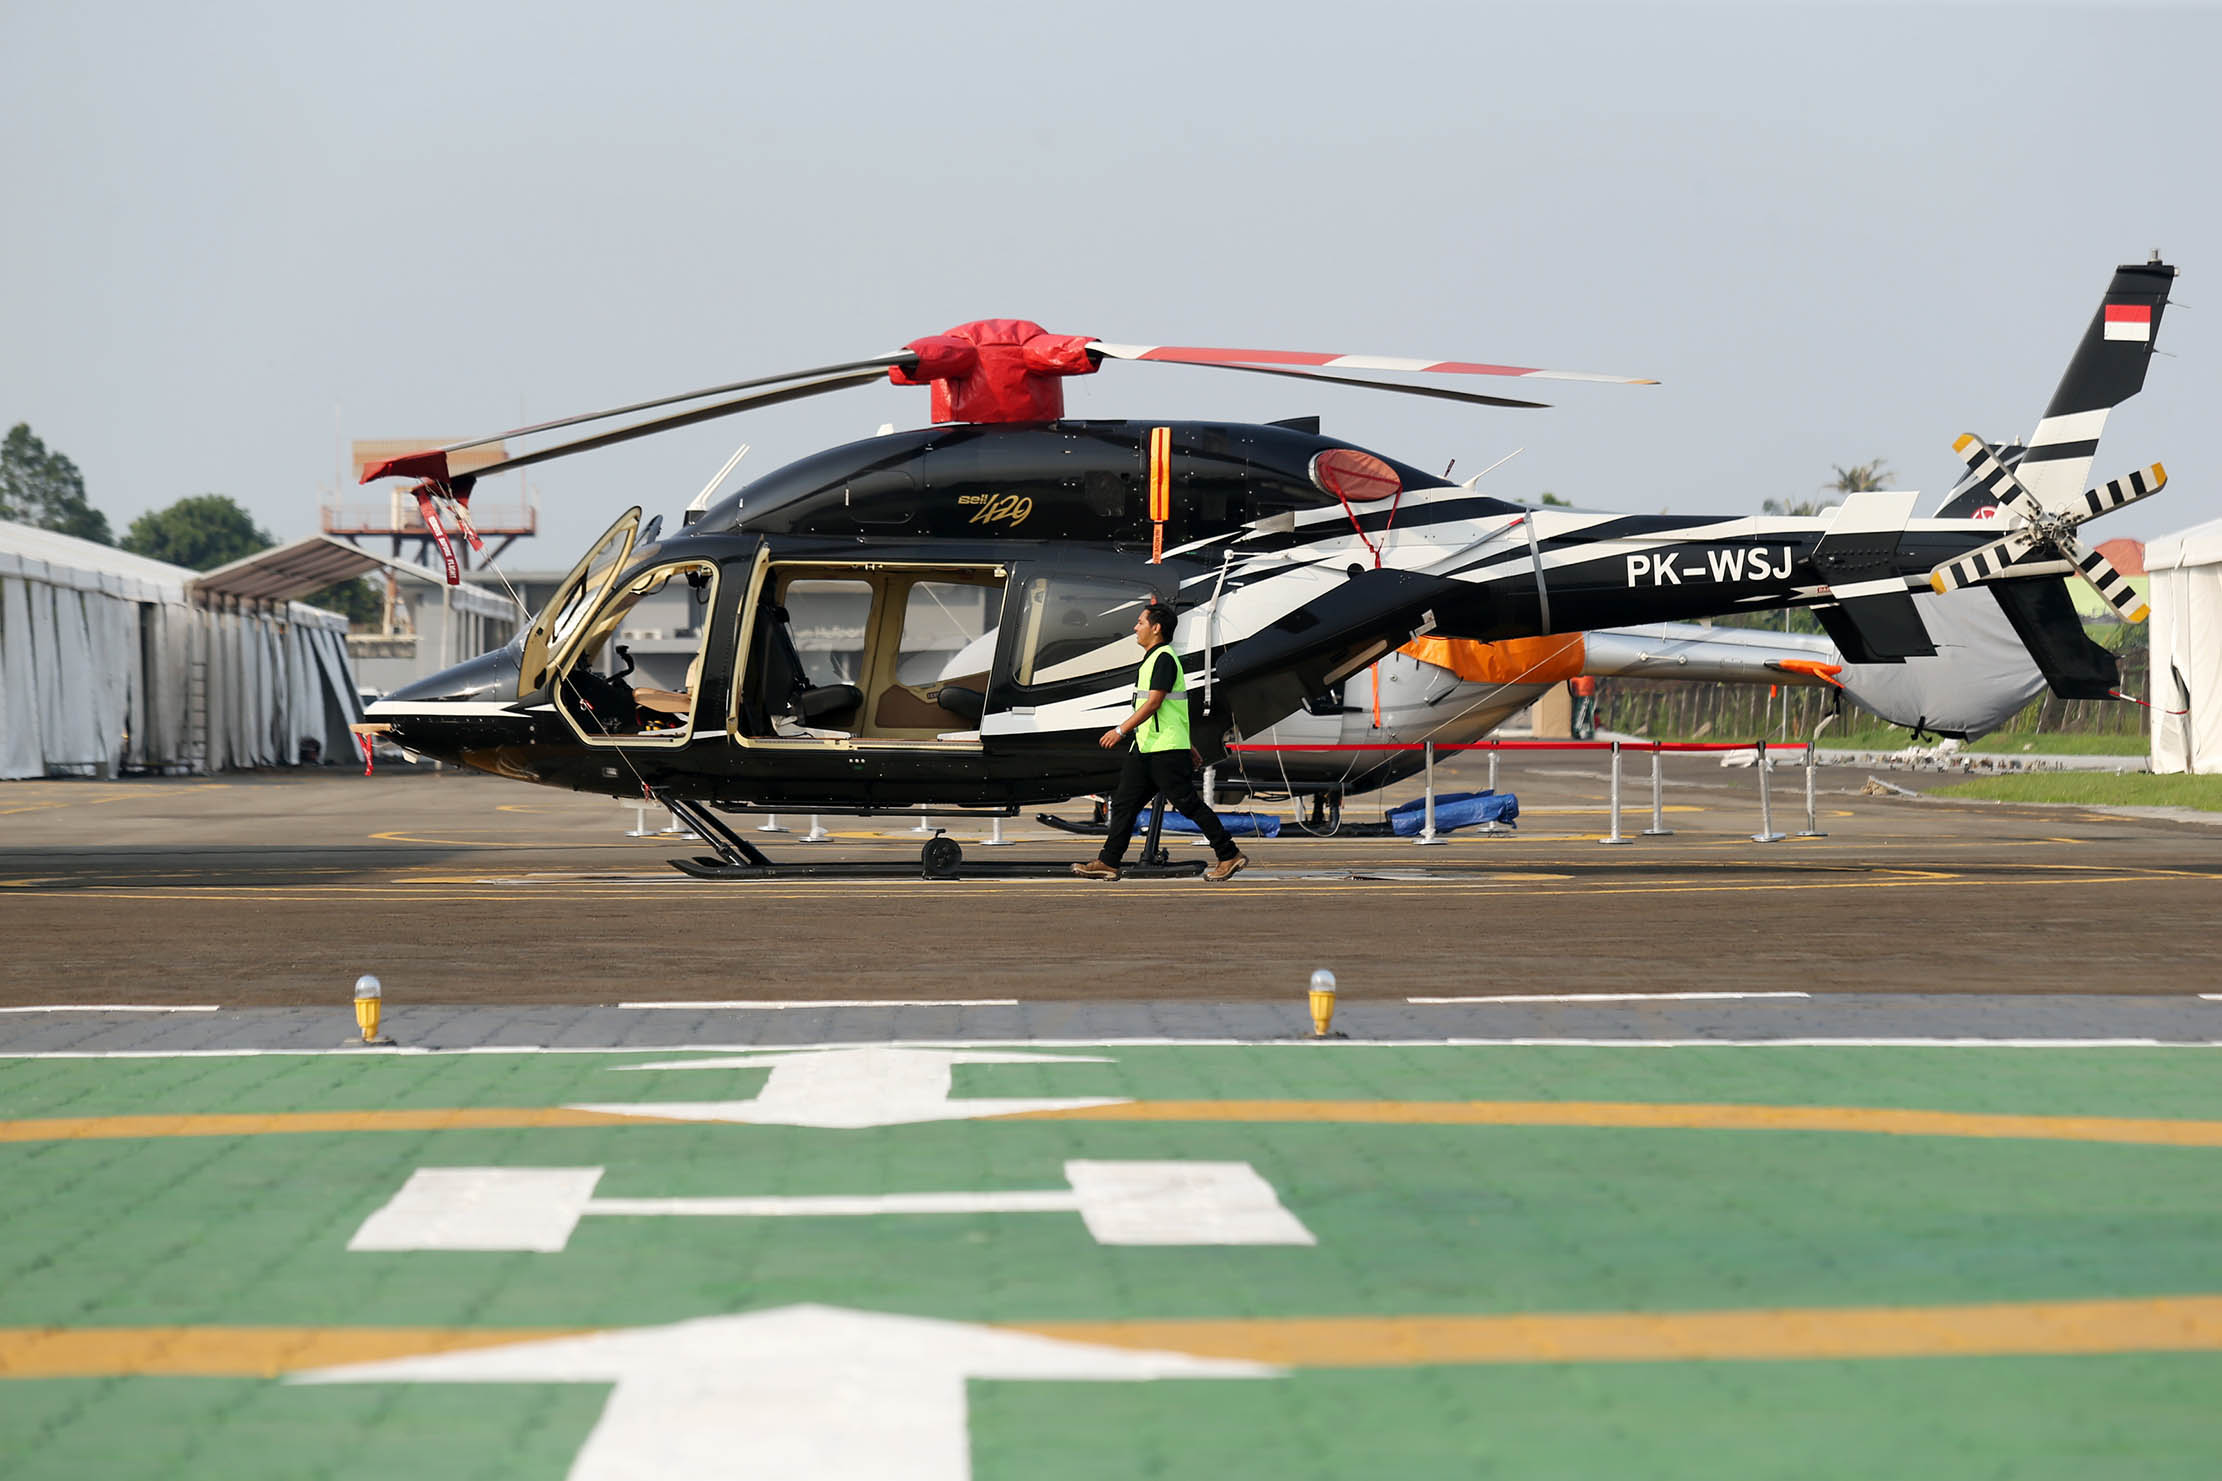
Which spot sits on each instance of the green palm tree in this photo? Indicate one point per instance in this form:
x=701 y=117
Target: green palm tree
x=1860 y=478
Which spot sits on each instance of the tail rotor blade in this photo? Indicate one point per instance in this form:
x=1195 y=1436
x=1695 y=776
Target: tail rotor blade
x=2128 y=489
x=1984 y=563
x=1993 y=480
x=2109 y=583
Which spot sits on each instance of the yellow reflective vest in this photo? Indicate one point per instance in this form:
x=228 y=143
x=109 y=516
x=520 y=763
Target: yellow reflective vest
x=1167 y=729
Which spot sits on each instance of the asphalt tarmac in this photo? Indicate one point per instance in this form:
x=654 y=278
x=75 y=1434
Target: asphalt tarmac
x=276 y=891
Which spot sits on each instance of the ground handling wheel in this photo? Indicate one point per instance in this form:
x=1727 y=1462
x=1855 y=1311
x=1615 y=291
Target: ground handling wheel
x=940 y=857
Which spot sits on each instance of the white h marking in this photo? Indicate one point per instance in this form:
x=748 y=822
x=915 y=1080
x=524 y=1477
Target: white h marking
x=535 y=1209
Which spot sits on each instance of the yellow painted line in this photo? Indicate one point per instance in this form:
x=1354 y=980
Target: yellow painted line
x=2158 y=1324
x=1887 y=1121
x=67 y=802
x=1260 y=891
x=101 y=799
x=232 y=1352
x=91 y=1128
x=1613 y=1114
x=2164 y=1324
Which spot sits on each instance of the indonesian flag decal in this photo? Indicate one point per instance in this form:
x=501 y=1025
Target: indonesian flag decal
x=2129 y=321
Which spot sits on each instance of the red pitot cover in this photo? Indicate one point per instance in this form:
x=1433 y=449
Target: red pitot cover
x=996 y=370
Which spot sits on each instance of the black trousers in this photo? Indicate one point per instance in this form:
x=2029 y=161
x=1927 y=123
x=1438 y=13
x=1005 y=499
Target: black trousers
x=1142 y=776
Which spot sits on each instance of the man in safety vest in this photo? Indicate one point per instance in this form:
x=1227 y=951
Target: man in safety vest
x=1159 y=759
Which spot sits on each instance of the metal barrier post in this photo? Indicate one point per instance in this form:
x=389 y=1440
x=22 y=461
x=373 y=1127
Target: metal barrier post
x=1812 y=751
x=1492 y=766
x=1658 y=828
x=817 y=833
x=770 y=824
x=1810 y=830
x=1766 y=833
x=1427 y=833
x=640 y=827
x=995 y=838
x=926 y=825
x=1616 y=836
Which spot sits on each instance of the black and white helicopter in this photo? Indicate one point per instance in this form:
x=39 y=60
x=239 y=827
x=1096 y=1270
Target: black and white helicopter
x=1295 y=559
x=1992 y=656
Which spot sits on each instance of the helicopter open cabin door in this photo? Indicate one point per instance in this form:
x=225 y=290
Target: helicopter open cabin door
x=625 y=657
x=554 y=636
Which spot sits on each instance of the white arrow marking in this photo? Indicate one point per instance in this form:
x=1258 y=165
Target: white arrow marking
x=853 y=1088
x=1122 y=1203
x=801 y=1393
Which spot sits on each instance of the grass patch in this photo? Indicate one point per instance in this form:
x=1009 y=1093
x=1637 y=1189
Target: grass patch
x=2095 y=789
x=2008 y=743
x=2002 y=743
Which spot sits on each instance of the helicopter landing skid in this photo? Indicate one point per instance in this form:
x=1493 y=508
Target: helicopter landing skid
x=941 y=858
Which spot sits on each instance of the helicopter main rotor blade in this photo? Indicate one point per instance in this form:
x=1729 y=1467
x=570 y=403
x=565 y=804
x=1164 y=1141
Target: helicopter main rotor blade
x=1351 y=380
x=685 y=419
x=875 y=364
x=1236 y=359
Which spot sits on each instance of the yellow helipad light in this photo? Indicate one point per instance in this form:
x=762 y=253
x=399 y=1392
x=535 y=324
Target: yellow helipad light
x=369 y=1002
x=1323 y=1002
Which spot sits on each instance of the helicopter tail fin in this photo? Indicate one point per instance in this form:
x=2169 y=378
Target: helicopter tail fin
x=2108 y=368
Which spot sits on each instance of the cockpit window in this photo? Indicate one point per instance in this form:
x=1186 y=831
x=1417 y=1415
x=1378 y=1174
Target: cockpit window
x=555 y=632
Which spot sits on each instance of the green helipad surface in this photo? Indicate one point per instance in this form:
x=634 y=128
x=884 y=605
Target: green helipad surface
x=2024 y=1284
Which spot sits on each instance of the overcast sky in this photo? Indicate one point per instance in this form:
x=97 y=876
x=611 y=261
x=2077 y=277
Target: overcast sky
x=238 y=235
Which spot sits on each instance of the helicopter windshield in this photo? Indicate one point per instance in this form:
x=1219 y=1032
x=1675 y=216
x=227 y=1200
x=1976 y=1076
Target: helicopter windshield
x=555 y=632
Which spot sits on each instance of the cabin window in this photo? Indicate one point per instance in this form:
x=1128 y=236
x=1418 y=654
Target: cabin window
x=948 y=632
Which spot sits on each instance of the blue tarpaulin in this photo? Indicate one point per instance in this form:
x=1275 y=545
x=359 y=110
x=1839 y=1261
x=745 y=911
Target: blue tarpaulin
x=1454 y=810
x=1240 y=824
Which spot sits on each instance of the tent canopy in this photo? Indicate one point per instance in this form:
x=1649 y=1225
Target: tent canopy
x=2201 y=545
x=87 y=565
x=313 y=562
x=106 y=661
x=2186 y=571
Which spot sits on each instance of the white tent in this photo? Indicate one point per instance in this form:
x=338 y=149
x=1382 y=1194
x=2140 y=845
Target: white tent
x=2186 y=571
x=108 y=659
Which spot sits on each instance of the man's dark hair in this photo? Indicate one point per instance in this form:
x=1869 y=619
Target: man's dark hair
x=1162 y=617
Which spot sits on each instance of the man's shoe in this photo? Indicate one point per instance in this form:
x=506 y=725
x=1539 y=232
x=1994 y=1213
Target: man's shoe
x=1227 y=869
x=1095 y=869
